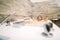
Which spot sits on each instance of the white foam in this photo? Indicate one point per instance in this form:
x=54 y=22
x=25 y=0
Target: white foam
x=28 y=32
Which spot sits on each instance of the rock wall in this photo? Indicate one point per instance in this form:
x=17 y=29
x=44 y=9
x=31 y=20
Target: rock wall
x=46 y=9
x=19 y=8
x=24 y=8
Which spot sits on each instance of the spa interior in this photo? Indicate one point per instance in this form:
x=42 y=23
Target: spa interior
x=29 y=19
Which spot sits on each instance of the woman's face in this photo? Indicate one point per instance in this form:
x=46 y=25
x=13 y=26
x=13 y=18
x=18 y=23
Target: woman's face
x=39 y=18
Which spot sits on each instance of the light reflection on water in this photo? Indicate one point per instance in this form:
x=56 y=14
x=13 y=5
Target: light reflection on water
x=3 y=37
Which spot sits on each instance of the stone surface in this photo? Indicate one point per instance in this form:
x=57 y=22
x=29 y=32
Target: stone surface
x=23 y=8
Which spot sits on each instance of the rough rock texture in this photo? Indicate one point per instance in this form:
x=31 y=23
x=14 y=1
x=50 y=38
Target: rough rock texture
x=46 y=9
x=24 y=8
x=16 y=7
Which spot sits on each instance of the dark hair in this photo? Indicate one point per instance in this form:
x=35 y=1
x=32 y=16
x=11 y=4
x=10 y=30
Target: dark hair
x=39 y=16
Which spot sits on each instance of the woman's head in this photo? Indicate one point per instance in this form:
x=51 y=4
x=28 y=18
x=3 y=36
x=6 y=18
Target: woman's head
x=39 y=18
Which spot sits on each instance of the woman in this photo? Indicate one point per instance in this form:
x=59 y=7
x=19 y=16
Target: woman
x=39 y=18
